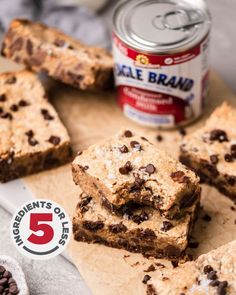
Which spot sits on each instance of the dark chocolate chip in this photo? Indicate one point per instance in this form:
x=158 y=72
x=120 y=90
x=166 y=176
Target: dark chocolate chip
x=233 y=208
x=144 y=138
x=3 y=281
x=212 y=275
x=128 y=133
x=93 y=225
x=2 y=269
x=159 y=138
x=219 y=135
x=14 y=108
x=172 y=251
x=166 y=226
x=150 y=268
x=182 y=131
x=139 y=218
x=124 y=149
x=228 y=158
x=55 y=140
x=79 y=153
x=221 y=289
x=207 y=269
x=30 y=133
x=230 y=179
x=13 y=289
x=175 y=263
x=180 y=177
x=206 y=218
x=11 y=80
x=32 y=141
x=146 y=278
x=214 y=283
x=3 y=98
x=126 y=168
x=46 y=115
x=7 y=274
x=150 y=169
x=117 y=228
x=233 y=150
x=136 y=145
x=59 y=42
x=138 y=182
x=214 y=159
x=29 y=47
x=83 y=204
x=146 y=234
x=23 y=103
x=6 y=116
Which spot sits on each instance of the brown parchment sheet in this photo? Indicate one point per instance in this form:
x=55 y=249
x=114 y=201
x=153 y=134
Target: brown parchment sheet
x=90 y=117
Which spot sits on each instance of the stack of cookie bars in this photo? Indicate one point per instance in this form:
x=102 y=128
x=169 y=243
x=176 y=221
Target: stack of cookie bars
x=135 y=197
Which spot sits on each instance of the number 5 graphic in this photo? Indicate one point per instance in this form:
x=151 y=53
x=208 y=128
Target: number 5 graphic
x=36 y=225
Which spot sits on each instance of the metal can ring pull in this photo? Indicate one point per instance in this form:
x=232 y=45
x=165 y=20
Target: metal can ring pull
x=189 y=18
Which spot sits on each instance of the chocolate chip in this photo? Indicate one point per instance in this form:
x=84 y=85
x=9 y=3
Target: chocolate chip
x=136 y=145
x=221 y=290
x=214 y=283
x=146 y=234
x=206 y=218
x=214 y=159
x=150 y=169
x=79 y=153
x=182 y=131
x=228 y=158
x=124 y=149
x=3 y=281
x=207 y=269
x=126 y=168
x=159 y=138
x=150 y=268
x=6 y=116
x=230 y=179
x=32 y=141
x=14 y=108
x=180 y=177
x=117 y=228
x=138 y=182
x=144 y=138
x=23 y=103
x=11 y=80
x=139 y=218
x=233 y=150
x=93 y=225
x=212 y=275
x=1 y=110
x=175 y=263
x=29 y=133
x=146 y=278
x=55 y=140
x=59 y=42
x=218 y=135
x=233 y=208
x=3 y=98
x=83 y=204
x=2 y=269
x=128 y=133
x=166 y=226
x=29 y=47
x=46 y=115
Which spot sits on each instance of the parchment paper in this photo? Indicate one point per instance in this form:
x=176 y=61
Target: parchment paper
x=89 y=118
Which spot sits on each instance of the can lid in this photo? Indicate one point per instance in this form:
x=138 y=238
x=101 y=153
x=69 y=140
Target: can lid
x=159 y=25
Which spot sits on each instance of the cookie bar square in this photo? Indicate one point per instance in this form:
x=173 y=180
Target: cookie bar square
x=136 y=228
x=211 y=150
x=128 y=167
x=44 y=49
x=212 y=273
x=32 y=137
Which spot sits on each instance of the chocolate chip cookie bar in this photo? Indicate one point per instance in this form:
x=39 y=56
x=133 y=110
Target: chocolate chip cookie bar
x=135 y=228
x=32 y=138
x=211 y=150
x=128 y=167
x=212 y=273
x=44 y=49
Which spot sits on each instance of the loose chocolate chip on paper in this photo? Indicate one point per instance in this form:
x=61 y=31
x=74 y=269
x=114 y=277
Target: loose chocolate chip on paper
x=3 y=97
x=11 y=80
x=218 y=135
x=214 y=159
x=146 y=278
x=166 y=226
x=128 y=133
x=124 y=149
x=55 y=140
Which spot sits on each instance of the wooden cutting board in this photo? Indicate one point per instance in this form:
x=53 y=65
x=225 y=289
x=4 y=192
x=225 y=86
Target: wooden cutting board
x=90 y=117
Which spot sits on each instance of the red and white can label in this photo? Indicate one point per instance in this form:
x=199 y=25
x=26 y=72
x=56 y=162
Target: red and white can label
x=161 y=90
x=40 y=229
